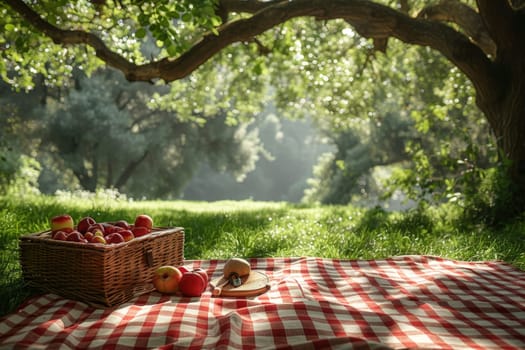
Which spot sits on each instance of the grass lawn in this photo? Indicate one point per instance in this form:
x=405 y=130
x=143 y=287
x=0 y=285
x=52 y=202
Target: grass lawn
x=261 y=229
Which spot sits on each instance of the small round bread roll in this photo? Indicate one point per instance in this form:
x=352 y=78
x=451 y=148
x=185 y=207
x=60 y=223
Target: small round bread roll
x=237 y=266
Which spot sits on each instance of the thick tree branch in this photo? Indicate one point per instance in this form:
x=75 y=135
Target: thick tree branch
x=500 y=20
x=464 y=16
x=250 y=6
x=373 y=20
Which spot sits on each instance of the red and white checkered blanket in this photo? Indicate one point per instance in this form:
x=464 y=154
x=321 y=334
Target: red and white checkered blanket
x=404 y=302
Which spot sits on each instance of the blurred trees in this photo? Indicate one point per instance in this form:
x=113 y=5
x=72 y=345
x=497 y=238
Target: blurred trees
x=291 y=149
x=18 y=134
x=102 y=134
x=409 y=112
x=110 y=138
x=348 y=72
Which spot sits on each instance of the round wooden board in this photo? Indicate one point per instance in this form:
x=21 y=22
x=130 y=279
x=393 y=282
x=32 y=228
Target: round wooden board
x=254 y=284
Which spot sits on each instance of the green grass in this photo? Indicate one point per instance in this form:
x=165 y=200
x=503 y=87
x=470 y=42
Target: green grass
x=259 y=229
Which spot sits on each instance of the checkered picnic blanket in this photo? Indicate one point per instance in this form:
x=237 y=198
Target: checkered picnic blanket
x=411 y=302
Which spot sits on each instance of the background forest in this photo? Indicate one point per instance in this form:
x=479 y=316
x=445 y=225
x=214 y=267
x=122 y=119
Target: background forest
x=396 y=126
x=309 y=111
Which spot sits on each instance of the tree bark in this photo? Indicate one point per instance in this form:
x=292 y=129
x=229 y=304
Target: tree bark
x=466 y=17
x=505 y=106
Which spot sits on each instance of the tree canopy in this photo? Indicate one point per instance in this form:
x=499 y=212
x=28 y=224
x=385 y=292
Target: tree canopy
x=255 y=47
x=194 y=31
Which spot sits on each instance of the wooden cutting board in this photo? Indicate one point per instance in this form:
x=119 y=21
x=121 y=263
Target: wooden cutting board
x=254 y=284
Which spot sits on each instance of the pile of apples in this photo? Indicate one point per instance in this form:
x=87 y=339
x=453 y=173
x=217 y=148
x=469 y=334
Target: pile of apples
x=89 y=231
x=180 y=280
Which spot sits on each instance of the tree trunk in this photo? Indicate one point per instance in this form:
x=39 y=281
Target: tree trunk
x=505 y=111
x=128 y=171
x=510 y=134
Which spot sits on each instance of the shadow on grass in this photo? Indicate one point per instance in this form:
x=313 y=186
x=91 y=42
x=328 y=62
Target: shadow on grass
x=263 y=231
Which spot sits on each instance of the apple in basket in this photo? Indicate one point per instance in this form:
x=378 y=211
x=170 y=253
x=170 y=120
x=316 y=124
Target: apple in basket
x=60 y=235
x=123 y=223
x=140 y=231
x=84 y=224
x=97 y=229
x=144 y=220
x=110 y=228
x=114 y=238
x=62 y=222
x=166 y=279
x=89 y=236
x=76 y=236
x=126 y=234
x=98 y=239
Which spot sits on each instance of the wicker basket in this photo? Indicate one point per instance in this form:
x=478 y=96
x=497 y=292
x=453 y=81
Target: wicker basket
x=97 y=274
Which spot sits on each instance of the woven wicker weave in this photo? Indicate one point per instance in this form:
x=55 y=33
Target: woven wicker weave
x=97 y=274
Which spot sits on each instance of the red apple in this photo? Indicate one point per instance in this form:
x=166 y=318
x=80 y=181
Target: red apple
x=204 y=276
x=84 y=224
x=89 y=236
x=126 y=234
x=65 y=230
x=107 y=229
x=192 y=284
x=139 y=231
x=113 y=228
x=114 y=238
x=124 y=224
x=98 y=239
x=110 y=228
x=60 y=235
x=183 y=269
x=166 y=279
x=61 y=222
x=144 y=220
x=76 y=236
x=97 y=228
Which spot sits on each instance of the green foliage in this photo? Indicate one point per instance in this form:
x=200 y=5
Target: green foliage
x=108 y=138
x=26 y=54
x=408 y=108
x=337 y=180
x=491 y=199
x=227 y=83
x=122 y=26
x=89 y=129
x=9 y=165
x=18 y=132
x=174 y=25
x=347 y=175
x=25 y=180
x=455 y=145
x=104 y=133
x=224 y=229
